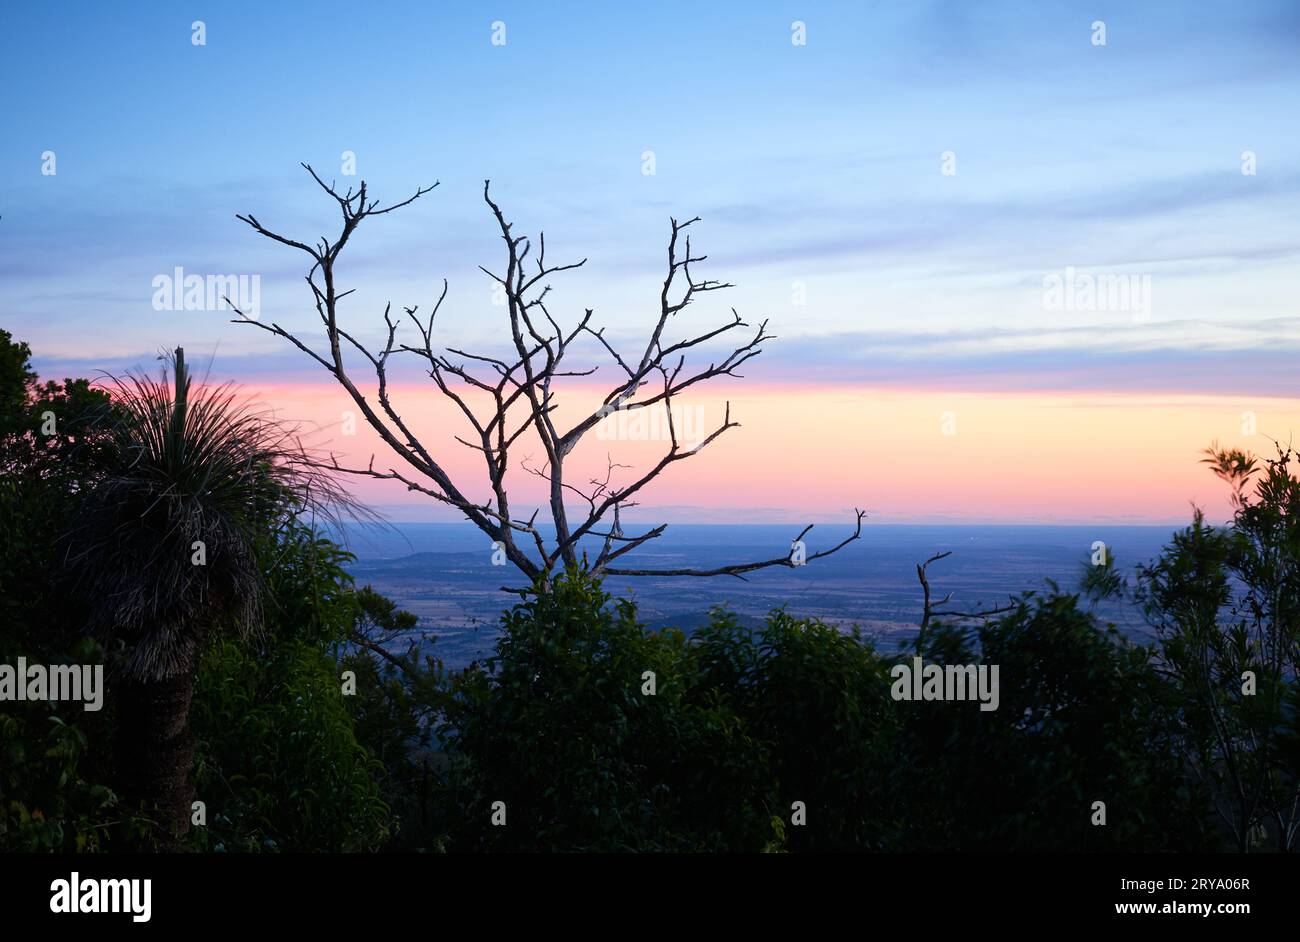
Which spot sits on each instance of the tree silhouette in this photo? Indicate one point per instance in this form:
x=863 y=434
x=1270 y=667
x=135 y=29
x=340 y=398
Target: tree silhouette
x=521 y=394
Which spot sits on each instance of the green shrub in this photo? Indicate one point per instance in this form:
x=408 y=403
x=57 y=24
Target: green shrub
x=279 y=766
x=558 y=728
x=1084 y=716
x=818 y=699
x=51 y=794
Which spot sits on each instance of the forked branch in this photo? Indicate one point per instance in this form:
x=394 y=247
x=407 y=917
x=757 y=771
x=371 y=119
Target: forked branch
x=507 y=401
x=934 y=609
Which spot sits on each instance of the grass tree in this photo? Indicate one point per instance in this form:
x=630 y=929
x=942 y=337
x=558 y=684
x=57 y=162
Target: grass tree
x=168 y=549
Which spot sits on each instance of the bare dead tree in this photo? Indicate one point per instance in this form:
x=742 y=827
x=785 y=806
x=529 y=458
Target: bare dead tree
x=934 y=609
x=520 y=392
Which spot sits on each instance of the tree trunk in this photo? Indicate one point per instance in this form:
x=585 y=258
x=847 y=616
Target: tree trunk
x=155 y=752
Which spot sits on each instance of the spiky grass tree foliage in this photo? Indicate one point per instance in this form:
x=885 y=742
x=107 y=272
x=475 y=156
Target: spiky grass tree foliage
x=167 y=550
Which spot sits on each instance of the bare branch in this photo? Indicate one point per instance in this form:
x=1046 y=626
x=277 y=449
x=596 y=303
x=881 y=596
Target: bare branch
x=932 y=609
x=504 y=399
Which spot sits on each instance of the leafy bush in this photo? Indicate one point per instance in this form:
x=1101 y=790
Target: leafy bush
x=51 y=795
x=279 y=765
x=1084 y=716
x=53 y=770
x=400 y=698
x=1225 y=602
x=817 y=699
x=747 y=722
x=557 y=727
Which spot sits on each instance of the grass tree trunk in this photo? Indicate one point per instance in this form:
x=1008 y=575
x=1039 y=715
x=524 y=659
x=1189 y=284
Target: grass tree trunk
x=156 y=751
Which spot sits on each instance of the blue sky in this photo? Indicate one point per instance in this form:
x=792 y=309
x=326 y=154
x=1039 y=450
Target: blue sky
x=816 y=166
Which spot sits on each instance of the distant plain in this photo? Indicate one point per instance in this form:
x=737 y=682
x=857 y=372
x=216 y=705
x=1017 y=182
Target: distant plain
x=443 y=573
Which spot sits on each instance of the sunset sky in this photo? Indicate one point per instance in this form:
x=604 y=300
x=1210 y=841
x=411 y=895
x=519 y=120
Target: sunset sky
x=897 y=196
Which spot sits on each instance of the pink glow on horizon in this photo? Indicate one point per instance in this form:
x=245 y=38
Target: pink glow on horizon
x=815 y=452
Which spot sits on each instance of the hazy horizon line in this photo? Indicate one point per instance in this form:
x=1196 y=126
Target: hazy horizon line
x=820 y=523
